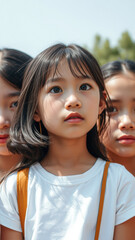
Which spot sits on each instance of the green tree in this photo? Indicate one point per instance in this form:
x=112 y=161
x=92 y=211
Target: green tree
x=124 y=49
x=126 y=46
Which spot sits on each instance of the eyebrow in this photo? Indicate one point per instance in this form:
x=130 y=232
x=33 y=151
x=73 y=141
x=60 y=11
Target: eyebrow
x=60 y=79
x=118 y=100
x=13 y=94
x=114 y=100
x=56 y=79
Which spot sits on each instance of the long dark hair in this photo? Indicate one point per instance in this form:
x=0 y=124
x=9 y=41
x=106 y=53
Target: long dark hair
x=12 y=66
x=116 y=67
x=25 y=138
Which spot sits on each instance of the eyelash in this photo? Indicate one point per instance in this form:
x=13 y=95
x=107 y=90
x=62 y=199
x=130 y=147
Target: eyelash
x=58 y=89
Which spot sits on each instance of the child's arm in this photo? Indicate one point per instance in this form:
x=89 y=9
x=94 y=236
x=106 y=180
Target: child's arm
x=125 y=231
x=9 y=234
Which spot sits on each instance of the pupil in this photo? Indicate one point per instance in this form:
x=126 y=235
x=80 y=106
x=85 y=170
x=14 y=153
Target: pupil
x=83 y=87
x=56 y=89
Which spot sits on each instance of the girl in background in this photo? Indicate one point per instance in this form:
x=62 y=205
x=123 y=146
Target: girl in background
x=62 y=96
x=12 y=67
x=119 y=137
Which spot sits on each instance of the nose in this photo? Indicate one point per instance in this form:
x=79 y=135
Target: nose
x=4 y=121
x=72 y=101
x=127 y=122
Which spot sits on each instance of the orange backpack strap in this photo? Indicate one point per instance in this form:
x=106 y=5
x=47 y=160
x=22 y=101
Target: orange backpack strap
x=101 y=203
x=22 y=183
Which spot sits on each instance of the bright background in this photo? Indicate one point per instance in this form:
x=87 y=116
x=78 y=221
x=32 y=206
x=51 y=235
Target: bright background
x=33 y=25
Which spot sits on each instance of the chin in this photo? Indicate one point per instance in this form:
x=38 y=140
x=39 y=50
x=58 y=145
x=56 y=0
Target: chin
x=125 y=154
x=5 y=152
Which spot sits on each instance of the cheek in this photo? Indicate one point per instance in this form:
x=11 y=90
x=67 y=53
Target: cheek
x=112 y=125
x=49 y=110
x=92 y=102
x=9 y=114
x=108 y=132
x=105 y=136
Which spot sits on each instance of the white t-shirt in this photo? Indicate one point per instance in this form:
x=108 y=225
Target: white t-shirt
x=66 y=207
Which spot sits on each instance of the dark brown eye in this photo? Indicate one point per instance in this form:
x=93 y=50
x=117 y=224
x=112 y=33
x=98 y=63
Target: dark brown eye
x=56 y=90
x=85 y=87
x=14 y=104
x=112 y=109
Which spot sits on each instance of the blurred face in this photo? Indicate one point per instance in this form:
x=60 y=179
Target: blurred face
x=8 y=102
x=119 y=138
x=69 y=106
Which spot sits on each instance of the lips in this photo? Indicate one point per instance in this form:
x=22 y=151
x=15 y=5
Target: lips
x=74 y=118
x=126 y=139
x=3 y=138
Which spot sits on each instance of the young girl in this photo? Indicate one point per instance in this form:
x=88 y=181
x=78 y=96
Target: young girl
x=12 y=66
x=119 y=137
x=63 y=93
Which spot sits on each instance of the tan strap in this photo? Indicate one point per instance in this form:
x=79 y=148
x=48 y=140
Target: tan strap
x=101 y=203
x=22 y=183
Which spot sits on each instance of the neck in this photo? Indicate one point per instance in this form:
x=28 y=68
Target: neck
x=127 y=162
x=7 y=163
x=68 y=156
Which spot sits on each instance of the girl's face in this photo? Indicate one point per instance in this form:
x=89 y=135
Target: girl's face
x=68 y=106
x=8 y=101
x=119 y=138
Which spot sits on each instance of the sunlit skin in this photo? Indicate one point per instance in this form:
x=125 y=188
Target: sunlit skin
x=62 y=95
x=119 y=138
x=8 y=102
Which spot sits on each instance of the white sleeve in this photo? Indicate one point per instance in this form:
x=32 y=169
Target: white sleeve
x=9 y=216
x=125 y=206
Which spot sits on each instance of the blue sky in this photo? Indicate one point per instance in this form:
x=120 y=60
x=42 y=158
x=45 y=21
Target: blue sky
x=33 y=25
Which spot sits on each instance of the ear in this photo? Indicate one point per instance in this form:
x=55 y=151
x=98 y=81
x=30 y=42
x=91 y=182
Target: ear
x=36 y=116
x=102 y=103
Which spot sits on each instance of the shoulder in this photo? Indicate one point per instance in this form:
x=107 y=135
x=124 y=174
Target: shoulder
x=120 y=192
x=118 y=170
x=118 y=177
x=9 y=183
x=8 y=203
x=123 y=186
x=121 y=173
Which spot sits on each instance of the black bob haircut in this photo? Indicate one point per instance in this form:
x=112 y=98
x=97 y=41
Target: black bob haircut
x=25 y=138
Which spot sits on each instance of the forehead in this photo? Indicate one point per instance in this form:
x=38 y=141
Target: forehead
x=70 y=68
x=6 y=89
x=121 y=86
